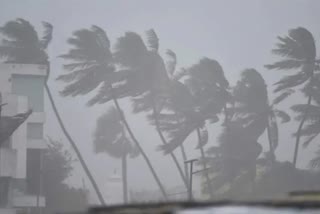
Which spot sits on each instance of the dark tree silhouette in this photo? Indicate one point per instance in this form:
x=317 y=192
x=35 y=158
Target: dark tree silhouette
x=57 y=167
x=110 y=137
x=21 y=44
x=234 y=159
x=298 y=53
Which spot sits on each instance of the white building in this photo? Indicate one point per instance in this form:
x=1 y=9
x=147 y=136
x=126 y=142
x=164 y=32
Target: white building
x=22 y=88
x=113 y=191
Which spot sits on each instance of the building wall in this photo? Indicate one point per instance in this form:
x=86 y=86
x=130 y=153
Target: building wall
x=22 y=88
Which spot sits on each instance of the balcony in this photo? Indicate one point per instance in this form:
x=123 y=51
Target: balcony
x=8 y=162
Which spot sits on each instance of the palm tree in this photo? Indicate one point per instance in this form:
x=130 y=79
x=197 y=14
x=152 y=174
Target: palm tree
x=298 y=52
x=149 y=78
x=92 y=65
x=238 y=148
x=110 y=137
x=312 y=117
x=253 y=110
x=21 y=44
x=199 y=99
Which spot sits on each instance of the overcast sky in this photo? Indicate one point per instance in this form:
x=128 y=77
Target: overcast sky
x=237 y=33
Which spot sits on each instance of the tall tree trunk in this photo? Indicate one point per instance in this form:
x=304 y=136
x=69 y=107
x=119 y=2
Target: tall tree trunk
x=204 y=164
x=163 y=140
x=140 y=148
x=296 y=149
x=270 y=144
x=184 y=157
x=124 y=179
x=74 y=146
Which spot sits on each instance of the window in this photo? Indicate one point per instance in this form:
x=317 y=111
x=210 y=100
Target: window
x=32 y=87
x=34 y=131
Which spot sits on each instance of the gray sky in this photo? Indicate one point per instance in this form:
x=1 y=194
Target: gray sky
x=239 y=34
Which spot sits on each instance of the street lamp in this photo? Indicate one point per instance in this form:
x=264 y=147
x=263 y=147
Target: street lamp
x=191 y=161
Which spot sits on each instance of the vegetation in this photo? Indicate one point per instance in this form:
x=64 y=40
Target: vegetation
x=57 y=167
x=179 y=102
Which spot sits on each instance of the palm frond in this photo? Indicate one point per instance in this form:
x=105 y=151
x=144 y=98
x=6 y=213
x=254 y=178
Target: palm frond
x=83 y=81
x=153 y=40
x=286 y=64
x=310 y=129
x=47 y=35
x=311 y=112
x=130 y=51
x=20 y=43
x=309 y=140
x=20 y=30
x=209 y=71
x=89 y=62
x=178 y=137
x=290 y=81
x=282 y=96
x=283 y=115
x=103 y=39
x=171 y=63
x=299 y=44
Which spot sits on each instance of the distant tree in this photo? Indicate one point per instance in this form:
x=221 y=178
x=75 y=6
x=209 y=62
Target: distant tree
x=110 y=137
x=298 y=53
x=57 y=167
x=21 y=44
x=92 y=65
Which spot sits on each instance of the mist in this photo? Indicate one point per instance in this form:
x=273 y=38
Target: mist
x=233 y=39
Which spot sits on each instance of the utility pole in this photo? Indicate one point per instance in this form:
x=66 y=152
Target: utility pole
x=191 y=161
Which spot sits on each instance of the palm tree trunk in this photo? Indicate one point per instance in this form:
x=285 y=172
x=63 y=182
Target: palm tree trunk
x=204 y=164
x=270 y=144
x=140 y=148
x=74 y=146
x=184 y=157
x=163 y=140
x=296 y=149
x=124 y=179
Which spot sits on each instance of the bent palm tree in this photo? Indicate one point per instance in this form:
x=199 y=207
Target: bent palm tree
x=201 y=98
x=149 y=78
x=253 y=110
x=239 y=149
x=312 y=127
x=22 y=45
x=92 y=66
x=298 y=51
x=110 y=137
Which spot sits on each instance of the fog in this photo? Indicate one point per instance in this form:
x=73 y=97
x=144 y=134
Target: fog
x=238 y=34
